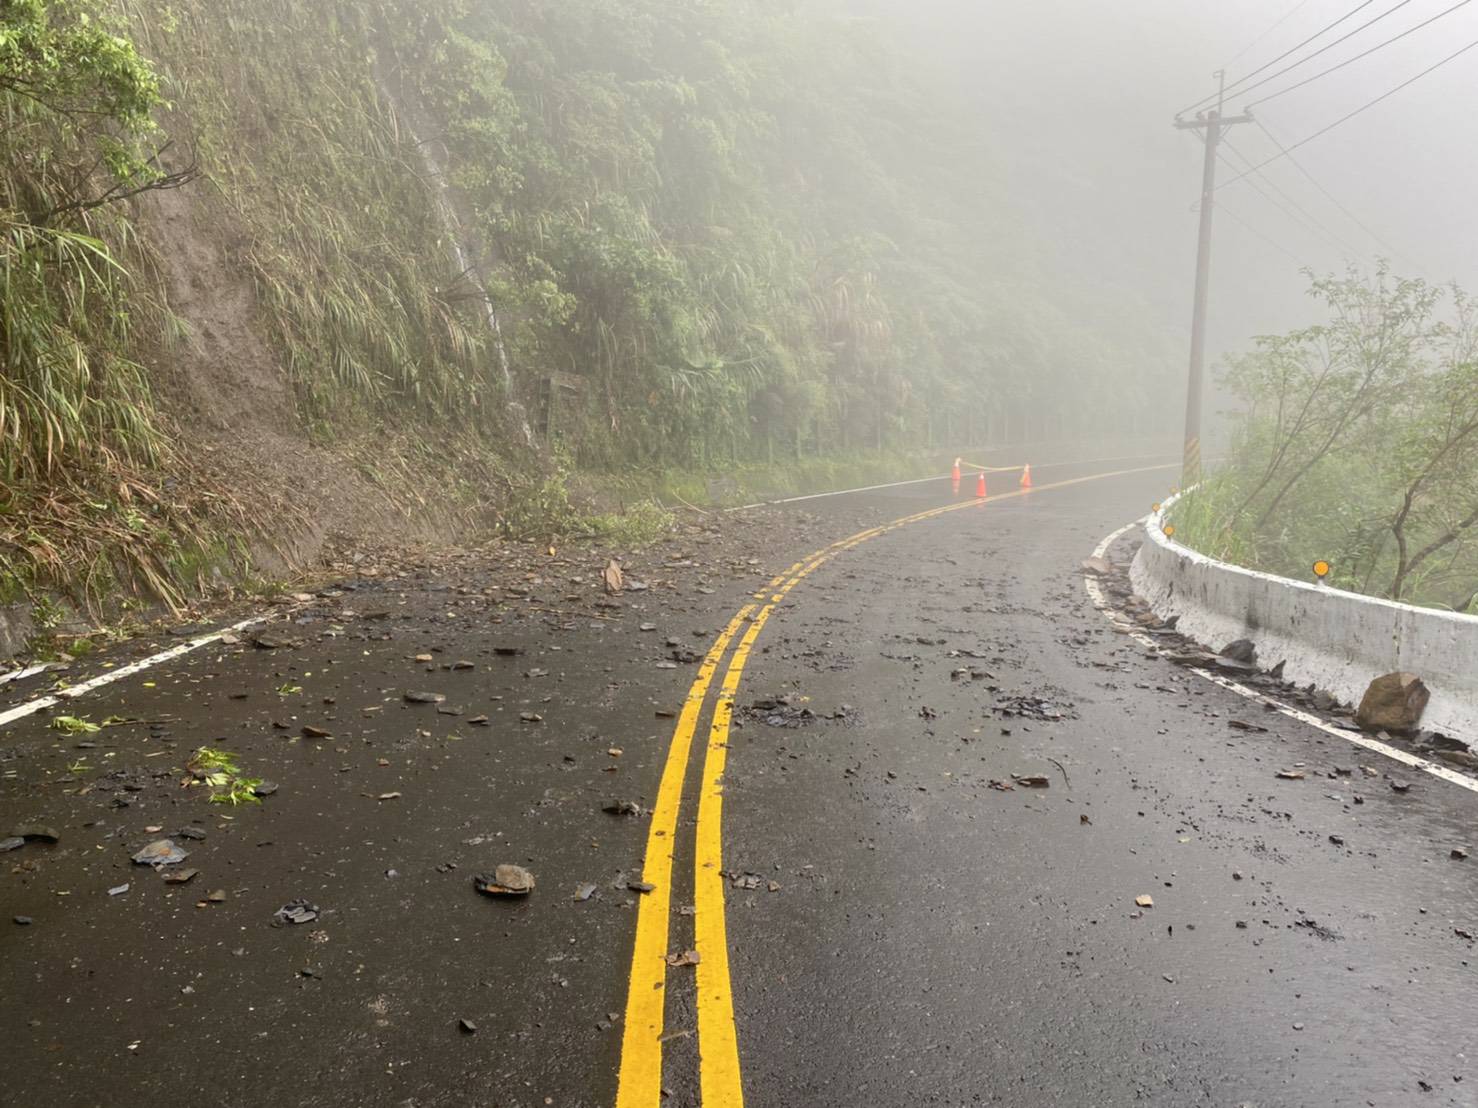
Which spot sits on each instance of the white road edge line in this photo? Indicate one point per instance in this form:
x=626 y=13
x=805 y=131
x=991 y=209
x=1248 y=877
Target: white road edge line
x=22 y=674
x=1101 y=602
x=40 y=704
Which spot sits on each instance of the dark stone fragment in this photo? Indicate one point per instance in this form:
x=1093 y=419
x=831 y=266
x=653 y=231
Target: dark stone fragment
x=295 y=912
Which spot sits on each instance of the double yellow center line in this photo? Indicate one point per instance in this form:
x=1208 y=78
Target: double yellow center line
x=640 y=1081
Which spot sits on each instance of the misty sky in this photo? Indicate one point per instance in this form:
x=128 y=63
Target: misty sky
x=1080 y=95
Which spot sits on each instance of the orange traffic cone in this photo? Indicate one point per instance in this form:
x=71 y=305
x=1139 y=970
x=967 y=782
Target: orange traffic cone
x=1026 y=476
x=955 y=476
x=980 y=486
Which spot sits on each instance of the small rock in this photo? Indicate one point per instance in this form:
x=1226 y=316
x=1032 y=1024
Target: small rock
x=36 y=833
x=118 y=890
x=1145 y=901
x=1241 y=650
x=1458 y=758
x=195 y=833
x=584 y=892
x=424 y=698
x=161 y=852
x=15 y=842
x=22 y=921
x=467 y=1027
x=296 y=912
x=1298 y=1026
x=1243 y=725
x=266 y=788
x=1458 y=853
x=180 y=876
x=1337 y=840
x=506 y=880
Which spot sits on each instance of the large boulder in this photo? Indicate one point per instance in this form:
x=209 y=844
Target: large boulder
x=1393 y=702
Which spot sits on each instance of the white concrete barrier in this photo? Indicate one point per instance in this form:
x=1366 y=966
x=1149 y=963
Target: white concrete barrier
x=1338 y=641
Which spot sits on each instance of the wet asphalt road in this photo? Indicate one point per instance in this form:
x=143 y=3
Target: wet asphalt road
x=900 y=931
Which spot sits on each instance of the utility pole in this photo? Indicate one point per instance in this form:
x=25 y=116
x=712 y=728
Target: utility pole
x=1213 y=123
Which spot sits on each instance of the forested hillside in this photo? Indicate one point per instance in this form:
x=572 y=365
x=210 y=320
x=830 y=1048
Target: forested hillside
x=280 y=261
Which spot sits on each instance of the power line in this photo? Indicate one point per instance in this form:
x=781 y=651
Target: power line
x=1346 y=118
x=1326 y=47
x=1241 y=80
x=1308 y=221
x=1235 y=218
x=1351 y=216
x=1347 y=61
x=1274 y=243
x=1285 y=18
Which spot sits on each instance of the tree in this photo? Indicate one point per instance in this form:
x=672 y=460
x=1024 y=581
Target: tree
x=83 y=98
x=1358 y=445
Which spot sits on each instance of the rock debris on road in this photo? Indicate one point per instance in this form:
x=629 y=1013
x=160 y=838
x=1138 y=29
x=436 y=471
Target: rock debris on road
x=979 y=846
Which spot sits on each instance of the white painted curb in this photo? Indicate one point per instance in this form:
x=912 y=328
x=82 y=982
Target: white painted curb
x=1338 y=641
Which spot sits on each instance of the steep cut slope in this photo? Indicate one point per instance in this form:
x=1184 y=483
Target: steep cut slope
x=295 y=273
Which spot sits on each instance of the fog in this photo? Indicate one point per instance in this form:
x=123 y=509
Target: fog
x=1078 y=98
